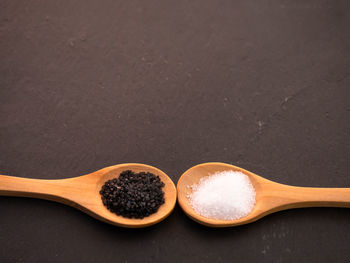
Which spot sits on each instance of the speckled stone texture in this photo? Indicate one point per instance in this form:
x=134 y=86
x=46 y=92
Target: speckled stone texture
x=264 y=85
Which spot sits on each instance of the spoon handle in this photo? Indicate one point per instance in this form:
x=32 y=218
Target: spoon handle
x=55 y=190
x=285 y=197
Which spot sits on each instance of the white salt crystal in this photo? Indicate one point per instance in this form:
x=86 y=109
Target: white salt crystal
x=227 y=195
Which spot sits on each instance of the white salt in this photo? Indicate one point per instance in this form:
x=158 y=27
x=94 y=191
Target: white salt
x=227 y=195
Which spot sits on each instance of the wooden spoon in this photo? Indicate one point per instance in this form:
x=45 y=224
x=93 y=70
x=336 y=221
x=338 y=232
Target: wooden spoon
x=83 y=193
x=270 y=196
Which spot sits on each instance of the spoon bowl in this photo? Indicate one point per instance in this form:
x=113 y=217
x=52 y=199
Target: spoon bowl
x=270 y=196
x=83 y=193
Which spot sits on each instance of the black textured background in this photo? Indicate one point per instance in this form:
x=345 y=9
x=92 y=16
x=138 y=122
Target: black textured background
x=260 y=84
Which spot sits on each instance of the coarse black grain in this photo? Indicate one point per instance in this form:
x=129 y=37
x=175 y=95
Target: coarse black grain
x=133 y=195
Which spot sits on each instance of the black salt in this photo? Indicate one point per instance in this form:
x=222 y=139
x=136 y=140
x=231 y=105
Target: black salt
x=133 y=195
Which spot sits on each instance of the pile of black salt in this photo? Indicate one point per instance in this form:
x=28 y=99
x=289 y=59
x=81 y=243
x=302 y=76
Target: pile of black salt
x=133 y=195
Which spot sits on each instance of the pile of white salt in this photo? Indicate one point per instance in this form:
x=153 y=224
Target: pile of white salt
x=227 y=195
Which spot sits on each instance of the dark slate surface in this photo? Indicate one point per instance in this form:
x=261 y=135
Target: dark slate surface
x=260 y=84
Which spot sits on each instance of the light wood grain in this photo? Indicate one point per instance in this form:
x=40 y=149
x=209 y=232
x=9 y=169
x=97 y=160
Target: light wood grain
x=83 y=193
x=270 y=196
